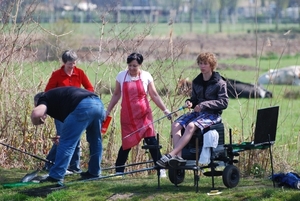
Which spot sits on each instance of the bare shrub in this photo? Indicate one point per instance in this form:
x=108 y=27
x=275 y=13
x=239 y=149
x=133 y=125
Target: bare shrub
x=56 y=39
x=103 y=88
x=17 y=88
x=164 y=91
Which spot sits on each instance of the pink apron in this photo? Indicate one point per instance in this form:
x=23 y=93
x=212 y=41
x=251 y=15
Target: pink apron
x=135 y=113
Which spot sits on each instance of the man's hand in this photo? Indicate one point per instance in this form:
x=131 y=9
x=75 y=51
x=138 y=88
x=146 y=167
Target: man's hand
x=55 y=139
x=42 y=119
x=39 y=115
x=189 y=104
x=197 y=108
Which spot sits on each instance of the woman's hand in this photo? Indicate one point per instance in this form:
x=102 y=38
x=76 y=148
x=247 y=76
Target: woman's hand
x=168 y=114
x=106 y=114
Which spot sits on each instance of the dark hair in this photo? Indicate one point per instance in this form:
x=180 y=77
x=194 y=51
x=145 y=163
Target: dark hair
x=135 y=56
x=69 y=55
x=37 y=97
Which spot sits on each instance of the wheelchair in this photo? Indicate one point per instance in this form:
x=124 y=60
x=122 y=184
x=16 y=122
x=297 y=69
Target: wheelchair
x=222 y=155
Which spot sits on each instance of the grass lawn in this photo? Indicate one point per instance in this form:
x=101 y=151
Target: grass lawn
x=145 y=187
x=240 y=114
x=160 y=29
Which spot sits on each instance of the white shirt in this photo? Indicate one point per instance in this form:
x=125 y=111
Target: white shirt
x=145 y=76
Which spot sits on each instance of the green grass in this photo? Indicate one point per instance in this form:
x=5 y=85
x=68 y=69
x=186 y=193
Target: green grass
x=163 y=29
x=145 y=187
x=42 y=70
x=288 y=123
x=81 y=32
x=241 y=114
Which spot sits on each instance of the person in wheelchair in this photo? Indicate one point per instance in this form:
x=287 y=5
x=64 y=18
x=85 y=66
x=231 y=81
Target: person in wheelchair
x=209 y=98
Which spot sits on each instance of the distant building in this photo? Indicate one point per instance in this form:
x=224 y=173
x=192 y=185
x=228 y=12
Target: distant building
x=152 y=12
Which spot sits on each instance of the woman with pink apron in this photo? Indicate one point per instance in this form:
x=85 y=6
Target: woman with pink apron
x=135 y=113
x=133 y=85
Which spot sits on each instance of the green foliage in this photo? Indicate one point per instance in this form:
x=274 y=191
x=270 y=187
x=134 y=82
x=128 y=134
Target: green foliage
x=269 y=56
x=257 y=171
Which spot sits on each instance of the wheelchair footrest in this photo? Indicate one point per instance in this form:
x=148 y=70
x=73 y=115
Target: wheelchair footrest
x=235 y=154
x=216 y=173
x=175 y=163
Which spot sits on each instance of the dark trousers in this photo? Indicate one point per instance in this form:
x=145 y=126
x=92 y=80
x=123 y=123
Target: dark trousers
x=123 y=154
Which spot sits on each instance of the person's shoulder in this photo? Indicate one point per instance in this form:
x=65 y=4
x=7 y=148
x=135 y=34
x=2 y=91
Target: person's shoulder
x=76 y=69
x=219 y=78
x=122 y=73
x=198 y=78
x=56 y=72
x=145 y=73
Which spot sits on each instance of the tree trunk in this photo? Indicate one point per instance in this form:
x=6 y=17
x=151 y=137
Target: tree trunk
x=191 y=15
x=220 y=20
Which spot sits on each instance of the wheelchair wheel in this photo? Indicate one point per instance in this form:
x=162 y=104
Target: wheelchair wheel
x=176 y=176
x=231 y=176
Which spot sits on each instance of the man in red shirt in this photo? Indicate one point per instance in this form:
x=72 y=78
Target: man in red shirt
x=67 y=75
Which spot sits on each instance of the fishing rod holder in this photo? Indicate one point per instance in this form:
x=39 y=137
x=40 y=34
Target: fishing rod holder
x=157 y=147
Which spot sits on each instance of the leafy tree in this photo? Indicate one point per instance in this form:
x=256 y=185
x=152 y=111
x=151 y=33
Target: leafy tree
x=230 y=5
x=280 y=5
x=191 y=14
x=171 y=5
x=206 y=8
x=297 y=3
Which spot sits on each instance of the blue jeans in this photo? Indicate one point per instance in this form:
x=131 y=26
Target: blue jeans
x=75 y=161
x=88 y=115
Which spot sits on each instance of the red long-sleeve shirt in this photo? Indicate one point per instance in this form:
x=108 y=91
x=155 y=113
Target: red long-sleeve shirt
x=59 y=78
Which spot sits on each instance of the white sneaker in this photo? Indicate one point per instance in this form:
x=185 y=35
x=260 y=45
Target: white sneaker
x=297 y=185
x=119 y=174
x=163 y=173
x=68 y=172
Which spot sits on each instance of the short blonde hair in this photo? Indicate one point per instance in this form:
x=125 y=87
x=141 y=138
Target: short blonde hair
x=208 y=57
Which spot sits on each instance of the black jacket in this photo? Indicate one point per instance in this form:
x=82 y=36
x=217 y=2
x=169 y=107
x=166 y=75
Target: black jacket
x=215 y=98
x=61 y=101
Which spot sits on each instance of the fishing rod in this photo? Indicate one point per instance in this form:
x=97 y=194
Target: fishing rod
x=24 y=152
x=29 y=177
x=168 y=115
x=128 y=165
x=113 y=175
x=60 y=185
